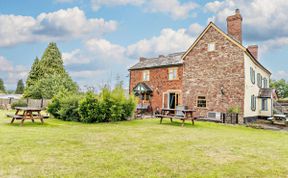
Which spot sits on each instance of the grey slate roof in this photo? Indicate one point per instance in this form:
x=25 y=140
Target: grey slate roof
x=161 y=61
x=265 y=92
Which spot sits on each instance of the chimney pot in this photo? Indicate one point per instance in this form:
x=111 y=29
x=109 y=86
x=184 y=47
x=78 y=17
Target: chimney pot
x=161 y=56
x=237 y=11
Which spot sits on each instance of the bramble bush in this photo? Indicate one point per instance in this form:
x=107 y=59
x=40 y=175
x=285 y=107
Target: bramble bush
x=108 y=106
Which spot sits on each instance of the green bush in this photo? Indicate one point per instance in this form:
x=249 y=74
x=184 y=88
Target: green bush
x=235 y=109
x=19 y=103
x=65 y=106
x=108 y=106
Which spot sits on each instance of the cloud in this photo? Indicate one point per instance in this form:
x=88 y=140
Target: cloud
x=174 y=8
x=169 y=41
x=280 y=75
x=59 y=25
x=11 y=74
x=75 y=57
x=263 y=20
x=64 y=1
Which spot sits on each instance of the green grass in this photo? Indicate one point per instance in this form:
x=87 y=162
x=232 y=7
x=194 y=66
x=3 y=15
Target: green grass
x=141 y=148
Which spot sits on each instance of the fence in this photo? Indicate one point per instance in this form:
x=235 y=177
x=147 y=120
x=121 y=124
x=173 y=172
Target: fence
x=35 y=103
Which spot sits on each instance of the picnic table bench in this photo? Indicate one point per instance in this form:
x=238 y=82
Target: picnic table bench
x=178 y=113
x=27 y=113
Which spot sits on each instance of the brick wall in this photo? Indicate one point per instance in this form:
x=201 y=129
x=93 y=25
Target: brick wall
x=158 y=82
x=205 y=73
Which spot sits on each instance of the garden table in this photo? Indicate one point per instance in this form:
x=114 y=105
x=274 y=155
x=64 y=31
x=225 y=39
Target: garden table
x=27 y=113
x=181 y=114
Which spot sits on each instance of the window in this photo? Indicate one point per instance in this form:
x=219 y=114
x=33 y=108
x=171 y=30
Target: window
x=201 y=102
x=265 y=83
x=259 y=80
x=211 y=47
x=253 y=103
x=146 y=75
x=252 y=75
x=172 y=73
x=264 y=104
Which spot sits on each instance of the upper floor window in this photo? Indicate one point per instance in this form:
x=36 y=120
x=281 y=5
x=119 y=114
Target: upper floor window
x=146 y=75
x=265 y=83
x=253 y=103
x=201 y=102
x=211 y=47
x=252 y=75
x=259 y=80
x=172 y=74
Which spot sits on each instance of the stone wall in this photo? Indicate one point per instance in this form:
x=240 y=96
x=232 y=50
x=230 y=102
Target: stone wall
x=217 y=75
x=158 y=82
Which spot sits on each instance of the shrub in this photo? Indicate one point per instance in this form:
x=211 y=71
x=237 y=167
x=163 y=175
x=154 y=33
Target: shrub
x=235 y=109
x=107 y=106
x=65 y=106
x=19 y=103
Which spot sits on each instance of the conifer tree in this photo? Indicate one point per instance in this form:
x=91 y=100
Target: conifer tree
x=20 y=87
x=2 y=87
x=34 y=74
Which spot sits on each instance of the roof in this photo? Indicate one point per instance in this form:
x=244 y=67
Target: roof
x=236 y=42
x=141 y=88
x=265 y=92
x=161 y=61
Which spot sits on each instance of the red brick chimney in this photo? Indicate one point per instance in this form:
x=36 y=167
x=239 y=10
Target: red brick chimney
x=141 y=59
x=234 y=25
x=253 y=49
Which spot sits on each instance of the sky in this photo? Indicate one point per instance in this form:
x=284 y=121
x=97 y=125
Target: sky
x=101 y=39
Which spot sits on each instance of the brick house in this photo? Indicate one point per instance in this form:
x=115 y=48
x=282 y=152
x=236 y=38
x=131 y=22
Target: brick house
x=216 y=73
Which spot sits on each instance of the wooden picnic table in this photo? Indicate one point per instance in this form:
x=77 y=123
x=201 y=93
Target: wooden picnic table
x=181 y=114
x=27 y=113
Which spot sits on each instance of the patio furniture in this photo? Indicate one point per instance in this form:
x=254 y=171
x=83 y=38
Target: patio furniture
x=180 y=113
x=27 y=113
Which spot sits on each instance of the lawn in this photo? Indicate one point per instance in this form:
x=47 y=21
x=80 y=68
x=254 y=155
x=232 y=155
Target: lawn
x=141 y=148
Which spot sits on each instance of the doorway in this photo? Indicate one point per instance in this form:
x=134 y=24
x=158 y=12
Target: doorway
x=173 y=100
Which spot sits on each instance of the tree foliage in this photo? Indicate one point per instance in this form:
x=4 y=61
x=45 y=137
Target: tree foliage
x=48 y=76
x=281 y=87
x=2 y=87
x=20 y=87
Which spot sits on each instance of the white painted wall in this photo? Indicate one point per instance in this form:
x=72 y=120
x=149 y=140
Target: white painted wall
x=253 y=89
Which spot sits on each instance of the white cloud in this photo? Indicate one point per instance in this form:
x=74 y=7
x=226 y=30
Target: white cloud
x=88 y=73
x=59 y=25
x=5 y=65
x=262 y=19
x=174 y=8
x=64 y=1
x=11 y=74
x=75 y=57
x=169 y=41
x=280 y=75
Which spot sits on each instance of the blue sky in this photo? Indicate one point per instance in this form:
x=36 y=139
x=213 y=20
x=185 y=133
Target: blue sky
x=100 y=39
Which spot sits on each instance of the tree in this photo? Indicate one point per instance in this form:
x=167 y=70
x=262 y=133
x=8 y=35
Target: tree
x=48 y=76
x=34 y=74
x=281 y=87
x=20 y=87
x=2 y=87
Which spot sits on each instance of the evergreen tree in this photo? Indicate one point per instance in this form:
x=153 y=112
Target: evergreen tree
x=48 y=76
x=2 y=87
x=34 y=74
x=20 y=87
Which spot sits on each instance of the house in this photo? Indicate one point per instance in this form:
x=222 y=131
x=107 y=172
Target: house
x=216 y=73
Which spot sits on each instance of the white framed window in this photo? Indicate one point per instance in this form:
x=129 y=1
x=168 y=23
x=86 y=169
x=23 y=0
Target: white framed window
x=172 y=74
x=265 y=83
x=211 y=47
x=146 y=75
x=252 y=75
x=253 y=103
x=264 y=106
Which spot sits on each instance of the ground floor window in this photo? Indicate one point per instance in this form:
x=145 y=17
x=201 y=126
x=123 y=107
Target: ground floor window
x=264 y=104
x=253 y=103
x=201 y=102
